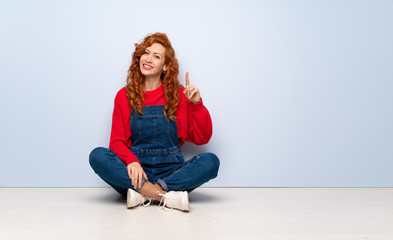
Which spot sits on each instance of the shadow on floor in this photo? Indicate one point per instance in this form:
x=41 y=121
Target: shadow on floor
x=115 y=197
x=110 y=197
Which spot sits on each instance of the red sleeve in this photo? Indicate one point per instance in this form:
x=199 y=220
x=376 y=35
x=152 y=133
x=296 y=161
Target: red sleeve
x=120 y=140
x=200 y=127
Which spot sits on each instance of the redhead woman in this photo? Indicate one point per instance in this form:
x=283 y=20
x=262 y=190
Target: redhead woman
x=152 y=118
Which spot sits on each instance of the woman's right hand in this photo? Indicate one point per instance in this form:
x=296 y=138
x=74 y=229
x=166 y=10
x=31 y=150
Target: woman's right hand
x=136 y=173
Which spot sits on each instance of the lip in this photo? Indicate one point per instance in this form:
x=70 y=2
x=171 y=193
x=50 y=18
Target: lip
x=147 y=65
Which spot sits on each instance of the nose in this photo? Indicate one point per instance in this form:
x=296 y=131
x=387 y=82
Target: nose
x=148 y=58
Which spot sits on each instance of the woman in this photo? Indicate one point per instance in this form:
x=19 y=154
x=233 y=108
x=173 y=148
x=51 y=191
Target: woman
x=153 y=116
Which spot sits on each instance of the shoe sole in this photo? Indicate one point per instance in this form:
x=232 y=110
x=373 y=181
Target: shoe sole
x=129 y=193
x=186 y=202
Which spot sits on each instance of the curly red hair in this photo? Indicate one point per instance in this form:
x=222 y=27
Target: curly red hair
x=170 y=81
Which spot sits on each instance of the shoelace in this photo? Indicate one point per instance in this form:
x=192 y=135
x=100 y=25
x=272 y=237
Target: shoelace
x=162 y=201
x=144 y=202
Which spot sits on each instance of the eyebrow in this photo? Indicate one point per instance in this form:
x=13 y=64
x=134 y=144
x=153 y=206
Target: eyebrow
x=155 y=52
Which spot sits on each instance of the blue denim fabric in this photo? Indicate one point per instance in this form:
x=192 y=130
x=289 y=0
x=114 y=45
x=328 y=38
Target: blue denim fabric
x=155 y=144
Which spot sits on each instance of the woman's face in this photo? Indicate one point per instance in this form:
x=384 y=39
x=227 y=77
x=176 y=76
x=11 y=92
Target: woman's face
x=152 y=62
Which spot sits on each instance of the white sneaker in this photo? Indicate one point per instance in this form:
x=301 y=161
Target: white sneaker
x=177 y=200
x=136 y=199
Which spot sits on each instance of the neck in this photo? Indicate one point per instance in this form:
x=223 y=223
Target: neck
x=152 y=83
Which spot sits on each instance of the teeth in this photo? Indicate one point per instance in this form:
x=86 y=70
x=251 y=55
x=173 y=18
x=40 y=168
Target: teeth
x=147 y=66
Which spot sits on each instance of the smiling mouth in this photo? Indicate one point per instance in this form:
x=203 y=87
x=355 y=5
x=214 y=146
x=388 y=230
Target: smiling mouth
x=147 y=66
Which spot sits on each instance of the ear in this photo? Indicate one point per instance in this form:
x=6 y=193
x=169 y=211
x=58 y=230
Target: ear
x=164 y=68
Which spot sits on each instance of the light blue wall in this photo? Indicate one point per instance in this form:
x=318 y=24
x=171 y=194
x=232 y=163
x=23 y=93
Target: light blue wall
x=300 y=92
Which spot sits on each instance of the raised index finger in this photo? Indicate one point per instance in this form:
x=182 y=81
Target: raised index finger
x=187 y=79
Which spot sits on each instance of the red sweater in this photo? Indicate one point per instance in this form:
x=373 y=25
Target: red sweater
x=193 y=122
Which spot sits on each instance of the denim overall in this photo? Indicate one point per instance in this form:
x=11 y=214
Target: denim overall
x=155 y=143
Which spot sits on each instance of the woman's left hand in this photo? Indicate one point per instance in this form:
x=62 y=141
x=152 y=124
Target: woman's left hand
x=191 y=92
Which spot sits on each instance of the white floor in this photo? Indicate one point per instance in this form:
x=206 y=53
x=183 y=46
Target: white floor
x=216 y=213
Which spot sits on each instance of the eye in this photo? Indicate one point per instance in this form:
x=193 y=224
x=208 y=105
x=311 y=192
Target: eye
x=157 y=57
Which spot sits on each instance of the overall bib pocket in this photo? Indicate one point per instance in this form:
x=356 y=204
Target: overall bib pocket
x=153 y=128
